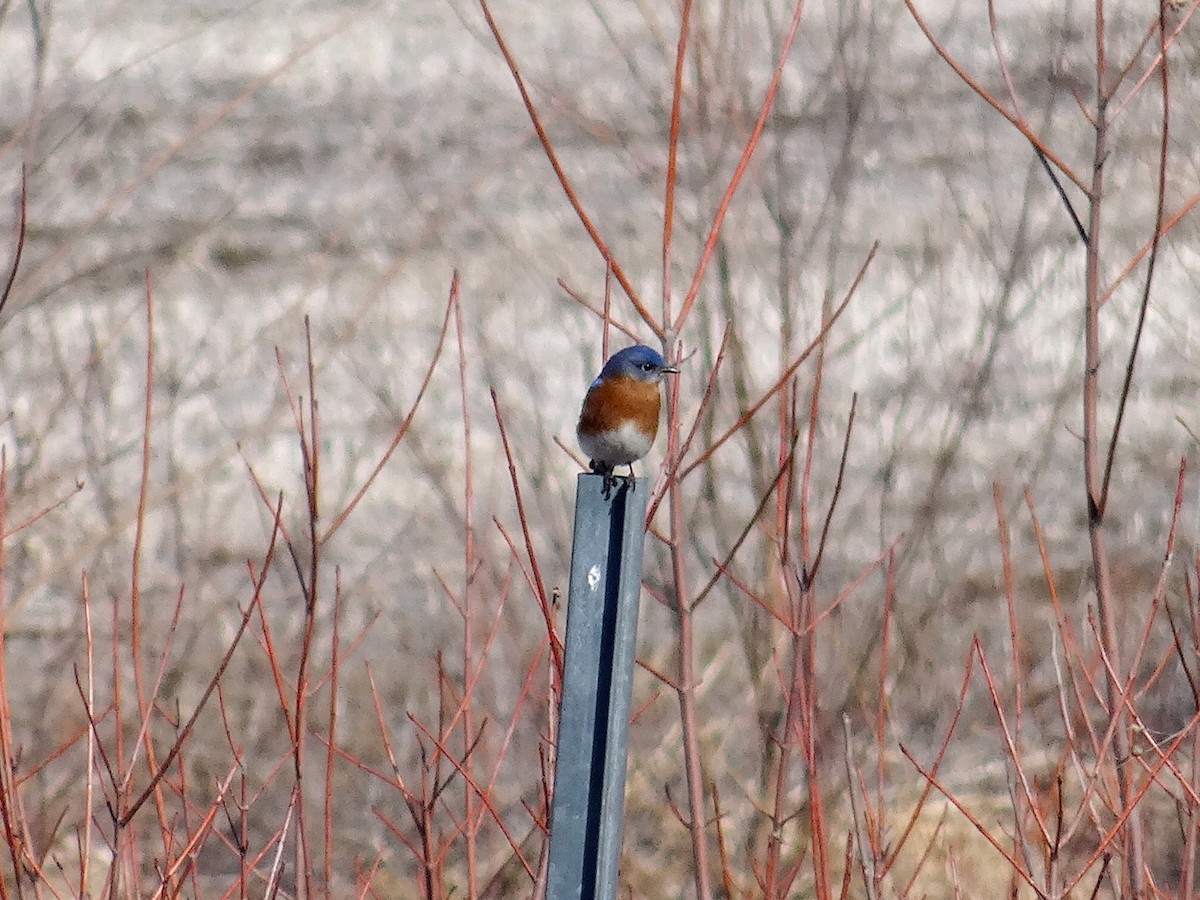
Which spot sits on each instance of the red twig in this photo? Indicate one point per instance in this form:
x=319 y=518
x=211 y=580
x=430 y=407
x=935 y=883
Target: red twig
x=1015 y=864
x=1014 y=118
x=161 y=771
x=406 y=424
x=548 y=146
x=739 y=171
x=685 y=23
x=468 y=616
x=784 y=377
x=604 y=313
x=686 y=444
x=484 y=796
x=12 y=818
x=535 y=572
x=335 y=663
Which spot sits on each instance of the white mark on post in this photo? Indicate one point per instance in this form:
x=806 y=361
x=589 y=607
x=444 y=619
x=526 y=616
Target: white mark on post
x=593 y=578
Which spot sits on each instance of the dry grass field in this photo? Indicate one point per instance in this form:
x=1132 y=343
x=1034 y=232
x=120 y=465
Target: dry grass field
x=301 y=317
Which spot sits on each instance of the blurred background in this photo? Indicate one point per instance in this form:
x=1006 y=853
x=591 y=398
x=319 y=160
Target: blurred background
x=271 y=161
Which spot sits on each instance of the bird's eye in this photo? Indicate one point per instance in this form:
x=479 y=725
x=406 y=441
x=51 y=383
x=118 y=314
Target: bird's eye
x=647 y=367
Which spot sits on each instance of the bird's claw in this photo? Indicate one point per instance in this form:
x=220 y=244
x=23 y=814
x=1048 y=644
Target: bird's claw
x=611 y=478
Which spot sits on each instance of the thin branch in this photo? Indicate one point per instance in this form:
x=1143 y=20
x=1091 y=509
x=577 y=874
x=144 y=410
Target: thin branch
x=186 y=731
x=685 y=19
x=714 y=230
x=404 y=426
x=1015 y=120
x=810 y=572
x=12 y=272
x=1123 y=404
x=561 y=173
x=787 y=373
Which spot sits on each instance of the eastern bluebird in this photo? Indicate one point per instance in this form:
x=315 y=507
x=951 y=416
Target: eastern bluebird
x=619 y=419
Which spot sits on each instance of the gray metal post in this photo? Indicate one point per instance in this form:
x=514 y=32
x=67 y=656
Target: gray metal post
x=593 y=731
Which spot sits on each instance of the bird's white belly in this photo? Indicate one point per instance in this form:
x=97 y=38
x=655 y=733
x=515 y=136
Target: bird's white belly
x=619 y=446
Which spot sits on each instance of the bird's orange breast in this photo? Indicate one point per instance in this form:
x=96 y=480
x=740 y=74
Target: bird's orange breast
x=616 y=402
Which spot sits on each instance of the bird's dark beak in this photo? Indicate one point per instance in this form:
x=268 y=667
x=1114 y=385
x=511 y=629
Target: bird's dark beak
x=669 y=370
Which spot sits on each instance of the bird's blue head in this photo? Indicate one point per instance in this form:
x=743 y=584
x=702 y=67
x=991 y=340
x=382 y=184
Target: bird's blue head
x=639 y=362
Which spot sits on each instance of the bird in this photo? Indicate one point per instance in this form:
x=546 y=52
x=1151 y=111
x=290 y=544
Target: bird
x=619 y=418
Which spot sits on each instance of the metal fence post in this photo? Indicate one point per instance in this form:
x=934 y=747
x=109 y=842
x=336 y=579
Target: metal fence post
x=593 y=732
